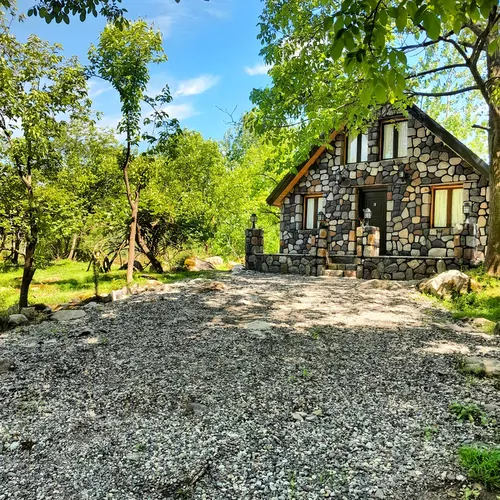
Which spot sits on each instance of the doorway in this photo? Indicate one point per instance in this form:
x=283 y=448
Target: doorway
x=376 y=200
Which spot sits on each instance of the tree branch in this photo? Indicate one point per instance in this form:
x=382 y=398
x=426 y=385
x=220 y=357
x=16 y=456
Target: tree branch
x=442 y=68
x=444 y=94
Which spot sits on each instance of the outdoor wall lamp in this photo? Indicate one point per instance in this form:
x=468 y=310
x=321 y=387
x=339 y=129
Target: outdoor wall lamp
x=367 y=214
x=321 y=217
x=253 y=220
x=402 y=173
x=467 y=210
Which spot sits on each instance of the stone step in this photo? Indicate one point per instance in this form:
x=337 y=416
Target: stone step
x=339 y=273
x=342 y=267
x=342 y=259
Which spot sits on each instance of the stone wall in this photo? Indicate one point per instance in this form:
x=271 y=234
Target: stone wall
x=404 y=268
x=311 y=263
x=429 y=162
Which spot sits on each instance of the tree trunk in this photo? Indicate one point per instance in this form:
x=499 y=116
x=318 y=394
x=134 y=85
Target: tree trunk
x=28 y=272
x=131 y=241
x=155 y=263
x=15 y=253
x=492 y=263
x=71 y=254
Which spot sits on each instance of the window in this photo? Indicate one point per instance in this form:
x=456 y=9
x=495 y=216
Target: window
x=357 y=148
x=447 y=206
x=394 y=139
x=313 y=206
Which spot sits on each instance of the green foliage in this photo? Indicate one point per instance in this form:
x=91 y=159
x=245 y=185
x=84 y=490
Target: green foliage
x=64 y=281
x=482 y=464
x=334 y=62
x=484 y=303
x=430 y=431
x=469 y=412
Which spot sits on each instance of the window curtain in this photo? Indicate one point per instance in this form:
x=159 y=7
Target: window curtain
x=440 y=207
x=310 y=213
x=457 y=200
x=388 y=146
x=403 y=138
x=352 y=151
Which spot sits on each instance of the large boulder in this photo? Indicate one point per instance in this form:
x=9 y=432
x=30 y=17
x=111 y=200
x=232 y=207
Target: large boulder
x=195 y=264
x=446 y=285
x=216 y=261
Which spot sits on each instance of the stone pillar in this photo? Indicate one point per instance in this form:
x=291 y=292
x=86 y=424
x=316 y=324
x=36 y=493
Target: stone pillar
x=466 y=242
x=367 y=245
x=254 y=244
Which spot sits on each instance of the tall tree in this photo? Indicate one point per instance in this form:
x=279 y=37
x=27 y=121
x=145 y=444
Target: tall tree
x=334 y=62
x=37 y=87
x=122 y=58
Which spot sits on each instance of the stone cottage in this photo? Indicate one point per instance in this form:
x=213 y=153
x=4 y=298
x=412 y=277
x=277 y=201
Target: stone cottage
x=427 y=192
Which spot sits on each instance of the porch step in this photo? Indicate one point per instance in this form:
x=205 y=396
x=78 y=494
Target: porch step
x=340 y=273
x=341 y=259
x=342 y=267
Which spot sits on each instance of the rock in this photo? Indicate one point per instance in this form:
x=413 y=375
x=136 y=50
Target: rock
x=232 y=264
x=298 y=416
x=258 y=326
x=380 y=285
x=195 y=264
x=68 y=315
x=29 y=312
x=216 y=261
x=213 y=286
x=238 y=268
x=196 y=408
x=18 y=319
x=482 y=324
x=137 y=266
x=441 y=266
x=119 y=294
x=7 y=365
x=446 y=284
x=379 y=494
x=90 y=305
x=484 y=367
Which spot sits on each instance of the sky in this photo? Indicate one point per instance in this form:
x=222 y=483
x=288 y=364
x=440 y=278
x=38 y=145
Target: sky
x=213 y=57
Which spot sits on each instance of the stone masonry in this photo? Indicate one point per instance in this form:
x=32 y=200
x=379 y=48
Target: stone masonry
x=429 y=162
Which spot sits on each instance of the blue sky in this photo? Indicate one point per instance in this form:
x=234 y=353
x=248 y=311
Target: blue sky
x=213 y=56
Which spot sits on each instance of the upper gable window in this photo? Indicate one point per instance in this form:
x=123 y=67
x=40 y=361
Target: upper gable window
x=394 y=139
x=357 y=148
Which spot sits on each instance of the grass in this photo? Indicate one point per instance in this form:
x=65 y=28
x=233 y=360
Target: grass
x=482 y=464
x=65 y=281
x=484 y=303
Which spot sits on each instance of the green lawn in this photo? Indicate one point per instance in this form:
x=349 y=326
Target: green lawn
x=484 y=303
x=65 y=280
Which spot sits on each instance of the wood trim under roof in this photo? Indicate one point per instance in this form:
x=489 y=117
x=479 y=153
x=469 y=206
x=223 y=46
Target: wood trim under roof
x=291 y=179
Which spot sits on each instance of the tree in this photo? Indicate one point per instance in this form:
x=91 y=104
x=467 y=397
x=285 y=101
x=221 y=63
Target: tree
x=37 y=87
x=122 y=58
x=334 y=62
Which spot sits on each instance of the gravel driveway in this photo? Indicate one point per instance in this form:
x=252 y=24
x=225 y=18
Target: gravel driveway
x=276 y=387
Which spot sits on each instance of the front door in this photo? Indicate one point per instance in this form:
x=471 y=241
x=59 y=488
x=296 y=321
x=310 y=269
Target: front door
x=376 y=201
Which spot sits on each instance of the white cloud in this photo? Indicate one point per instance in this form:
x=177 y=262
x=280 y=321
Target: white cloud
x=96 y=88
x=258 y=69
x=164 y=24
x=180 y=111
x=197 y=85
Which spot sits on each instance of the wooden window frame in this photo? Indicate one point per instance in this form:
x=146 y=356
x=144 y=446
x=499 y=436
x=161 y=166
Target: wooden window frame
x=315 y=219
x=358 y=151
x=395 y=139
x=449 y=188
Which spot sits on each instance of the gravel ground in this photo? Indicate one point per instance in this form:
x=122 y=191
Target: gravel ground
x=276 y=387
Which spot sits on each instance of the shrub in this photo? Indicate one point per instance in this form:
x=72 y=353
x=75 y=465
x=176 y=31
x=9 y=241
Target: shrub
x=470 y=412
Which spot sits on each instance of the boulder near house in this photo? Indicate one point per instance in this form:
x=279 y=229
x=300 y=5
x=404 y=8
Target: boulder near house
x=427 y=195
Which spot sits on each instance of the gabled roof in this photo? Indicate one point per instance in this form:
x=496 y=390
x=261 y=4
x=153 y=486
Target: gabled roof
x=292 y=178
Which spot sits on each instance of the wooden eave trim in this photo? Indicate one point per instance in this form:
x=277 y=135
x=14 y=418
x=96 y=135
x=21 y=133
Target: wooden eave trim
x=279 y=200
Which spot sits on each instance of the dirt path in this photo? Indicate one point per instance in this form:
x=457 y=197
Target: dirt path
x=277 y=387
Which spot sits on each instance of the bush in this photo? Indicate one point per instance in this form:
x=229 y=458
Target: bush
x=471 y=413
x=482 y=464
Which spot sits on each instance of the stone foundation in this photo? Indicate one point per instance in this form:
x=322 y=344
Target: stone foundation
x=405 y=268
x=308 y=265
